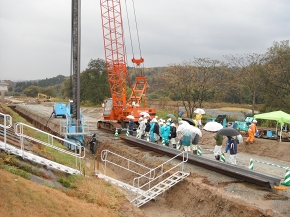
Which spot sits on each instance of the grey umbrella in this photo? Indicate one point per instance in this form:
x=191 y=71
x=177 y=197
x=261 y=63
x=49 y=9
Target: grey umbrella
x=171 y=116
x=228 y=132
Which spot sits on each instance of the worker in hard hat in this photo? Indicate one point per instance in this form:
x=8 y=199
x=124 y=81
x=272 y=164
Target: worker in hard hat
x=251 y=132
x=198 y=118
x=131 y=125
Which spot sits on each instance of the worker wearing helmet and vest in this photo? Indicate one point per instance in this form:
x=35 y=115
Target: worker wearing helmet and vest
x=251 y=132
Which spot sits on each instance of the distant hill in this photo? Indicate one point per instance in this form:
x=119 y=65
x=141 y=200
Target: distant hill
x=20 y=86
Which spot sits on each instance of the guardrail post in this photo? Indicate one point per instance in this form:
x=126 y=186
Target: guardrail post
x=5 y=126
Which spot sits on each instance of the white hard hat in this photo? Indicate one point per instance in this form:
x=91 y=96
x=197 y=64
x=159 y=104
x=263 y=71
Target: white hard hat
x=173 y=125
x=255 y=121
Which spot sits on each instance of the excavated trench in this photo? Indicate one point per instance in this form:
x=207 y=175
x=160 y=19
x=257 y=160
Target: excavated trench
x=203 y=193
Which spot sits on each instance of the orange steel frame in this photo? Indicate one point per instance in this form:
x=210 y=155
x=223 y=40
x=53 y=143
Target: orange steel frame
x=115 y=57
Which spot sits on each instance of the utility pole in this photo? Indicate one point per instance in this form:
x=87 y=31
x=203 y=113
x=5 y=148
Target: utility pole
x=75 y=55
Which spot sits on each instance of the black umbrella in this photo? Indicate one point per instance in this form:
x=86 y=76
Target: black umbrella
x=189 y=120
x=171 y=116
x=228 y=132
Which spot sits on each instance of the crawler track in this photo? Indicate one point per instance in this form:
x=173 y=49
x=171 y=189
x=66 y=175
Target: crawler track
x=241 y=173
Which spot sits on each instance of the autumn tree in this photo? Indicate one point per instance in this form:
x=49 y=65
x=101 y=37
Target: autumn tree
x=194 y=81
x=180 y=81
x=209 y=77
x=277 y=77
x=249 y=73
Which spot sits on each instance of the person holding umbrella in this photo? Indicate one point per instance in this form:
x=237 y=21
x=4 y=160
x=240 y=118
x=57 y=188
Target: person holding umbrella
x=165 y=133
x=173 y=135
x=232 y=142
x=156 y=132
x=185 y=141
x=142 y=126
x=218 y=147
x=147 y=128
x=233 y=150
x=152 y=125
x=198 y=118
x=184 y=134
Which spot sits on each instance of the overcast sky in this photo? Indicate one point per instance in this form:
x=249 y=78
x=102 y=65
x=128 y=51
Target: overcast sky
x=35 y=34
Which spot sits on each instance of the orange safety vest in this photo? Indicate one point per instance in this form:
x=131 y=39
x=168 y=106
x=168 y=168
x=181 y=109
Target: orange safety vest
x=253 y=128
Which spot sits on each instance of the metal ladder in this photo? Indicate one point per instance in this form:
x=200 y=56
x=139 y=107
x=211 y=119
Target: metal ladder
x=21 y=128
x=159 y=188
x=169 y=177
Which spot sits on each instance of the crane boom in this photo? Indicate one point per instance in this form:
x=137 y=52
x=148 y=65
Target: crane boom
x=118 y=107
x=114 y=51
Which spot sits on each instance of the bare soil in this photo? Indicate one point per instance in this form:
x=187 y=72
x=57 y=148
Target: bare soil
x=203 y=193
x=206 y=193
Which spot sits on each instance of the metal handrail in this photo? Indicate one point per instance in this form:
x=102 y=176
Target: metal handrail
x=184 y=159
x=78 y=154
x=5 y=126
x=18 y=128
x=5 y=123
x=104 y=155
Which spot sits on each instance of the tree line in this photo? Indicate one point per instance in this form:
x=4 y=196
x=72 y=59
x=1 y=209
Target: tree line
x=249 y=78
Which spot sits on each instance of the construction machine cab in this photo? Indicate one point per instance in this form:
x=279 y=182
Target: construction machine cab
x=220 y=119
x=108 y=106
x=243 y=125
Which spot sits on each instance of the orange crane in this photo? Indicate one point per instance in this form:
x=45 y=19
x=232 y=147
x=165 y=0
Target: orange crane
x=118 y=107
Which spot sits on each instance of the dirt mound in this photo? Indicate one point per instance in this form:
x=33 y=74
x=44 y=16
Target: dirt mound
x=262 y=147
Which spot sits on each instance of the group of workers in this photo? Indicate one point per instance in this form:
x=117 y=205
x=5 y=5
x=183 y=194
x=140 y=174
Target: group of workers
x=155 y=130
x=232 y=143
x=164 y=132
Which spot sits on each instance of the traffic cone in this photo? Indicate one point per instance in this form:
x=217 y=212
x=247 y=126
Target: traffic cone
x=223 y=158
x=178 y=146
x=199 y=151
x=251 y=165
x=116 y=133
x=163 y=142
x=127 y=133
x=138 y=134
x=287 y=178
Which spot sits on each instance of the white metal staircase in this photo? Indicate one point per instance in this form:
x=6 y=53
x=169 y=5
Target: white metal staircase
x=161 y=177
x=161 y=187
x=120 y=184
x=20 y=130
